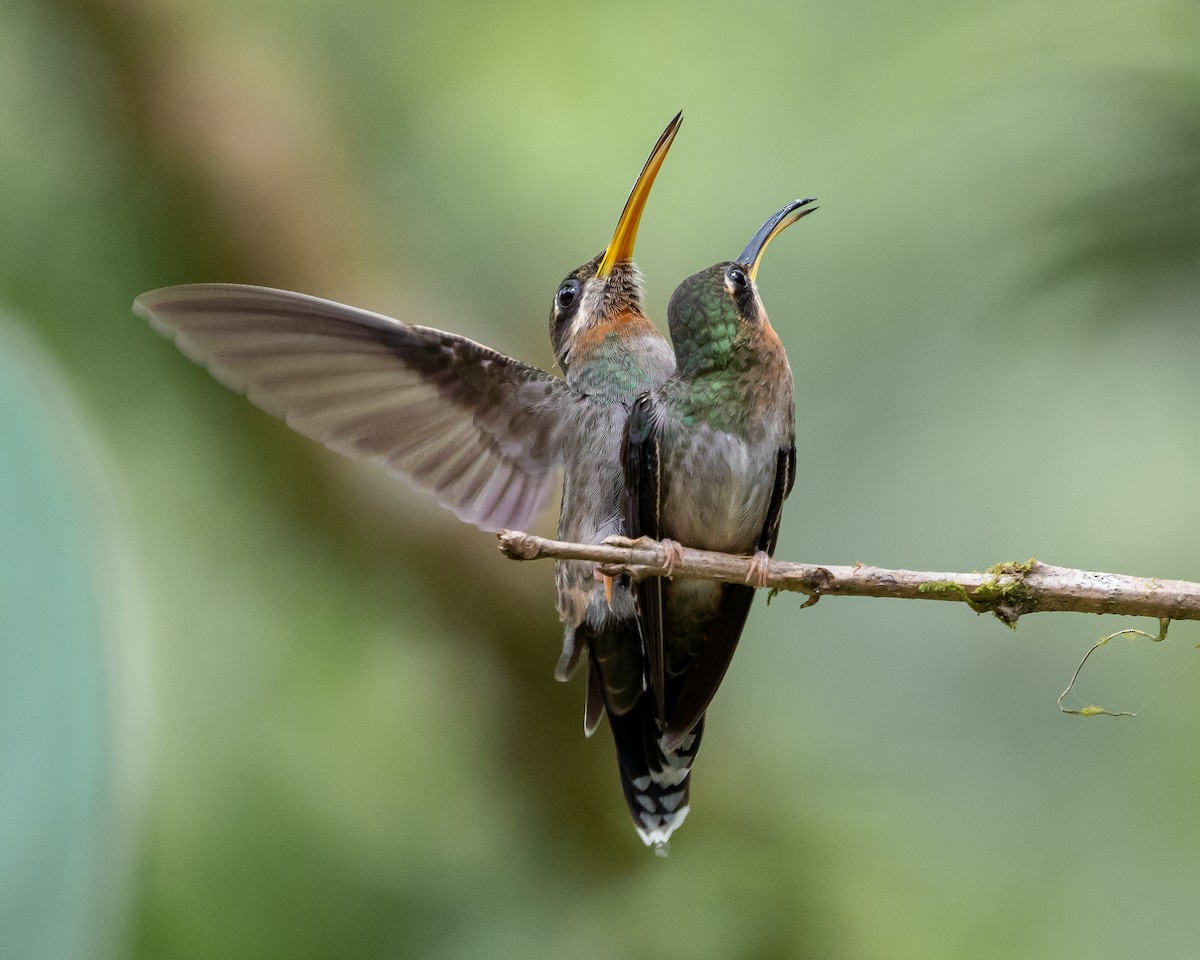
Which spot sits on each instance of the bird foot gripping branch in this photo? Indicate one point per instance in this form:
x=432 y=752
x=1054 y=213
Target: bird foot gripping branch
x=671 y=553
x=760 y=569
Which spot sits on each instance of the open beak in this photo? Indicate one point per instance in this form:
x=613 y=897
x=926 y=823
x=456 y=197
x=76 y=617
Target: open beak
x=621 y=246
x=752 y=256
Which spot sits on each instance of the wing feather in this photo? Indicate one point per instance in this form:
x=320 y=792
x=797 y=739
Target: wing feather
x=479 y=430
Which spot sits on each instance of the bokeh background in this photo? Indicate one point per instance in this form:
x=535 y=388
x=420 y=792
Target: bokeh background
x=258 y=701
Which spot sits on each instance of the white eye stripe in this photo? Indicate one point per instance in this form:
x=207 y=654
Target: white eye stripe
x=588 y=306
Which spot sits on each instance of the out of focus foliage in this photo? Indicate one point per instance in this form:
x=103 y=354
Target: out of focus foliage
x=261 y=702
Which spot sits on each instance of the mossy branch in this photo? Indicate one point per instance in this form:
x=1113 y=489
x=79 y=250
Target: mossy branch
x=1008 y=590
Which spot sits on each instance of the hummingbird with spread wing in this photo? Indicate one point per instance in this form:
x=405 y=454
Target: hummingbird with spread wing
x=484 y=433
x=709 y=459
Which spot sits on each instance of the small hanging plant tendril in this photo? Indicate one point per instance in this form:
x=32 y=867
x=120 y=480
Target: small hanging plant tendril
x=1094 y=711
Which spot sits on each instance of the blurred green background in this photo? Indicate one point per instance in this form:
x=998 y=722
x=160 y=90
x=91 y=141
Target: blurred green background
x=258 y=701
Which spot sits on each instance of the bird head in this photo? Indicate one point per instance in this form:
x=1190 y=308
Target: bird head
x=715 y=309
x=607 y=290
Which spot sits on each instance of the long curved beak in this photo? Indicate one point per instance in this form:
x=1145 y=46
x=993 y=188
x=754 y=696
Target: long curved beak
x=621 y=246
x=752 y=256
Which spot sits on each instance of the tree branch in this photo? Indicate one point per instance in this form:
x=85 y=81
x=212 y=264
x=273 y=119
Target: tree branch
x=1008 y=590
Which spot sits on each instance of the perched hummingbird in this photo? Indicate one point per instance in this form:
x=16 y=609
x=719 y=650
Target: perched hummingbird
x=483 y=432
x=709 y=458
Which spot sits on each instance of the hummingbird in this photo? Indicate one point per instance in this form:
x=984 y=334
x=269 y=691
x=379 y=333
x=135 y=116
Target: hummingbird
x=709 y=458
x=483 y=432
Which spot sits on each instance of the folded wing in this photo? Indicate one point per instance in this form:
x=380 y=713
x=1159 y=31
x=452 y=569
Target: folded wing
x=643 y=497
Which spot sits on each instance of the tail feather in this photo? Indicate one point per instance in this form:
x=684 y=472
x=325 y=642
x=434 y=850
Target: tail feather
x=656 y=781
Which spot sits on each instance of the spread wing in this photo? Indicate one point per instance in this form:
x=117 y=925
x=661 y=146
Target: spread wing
x=707 y=671
x=640 y=453
x=472 y=426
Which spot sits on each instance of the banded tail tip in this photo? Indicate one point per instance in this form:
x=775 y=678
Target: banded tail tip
x=655 y=829
x=660 y=799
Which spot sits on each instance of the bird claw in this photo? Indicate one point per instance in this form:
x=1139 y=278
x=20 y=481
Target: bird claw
x=759 y=568
x=673 y=552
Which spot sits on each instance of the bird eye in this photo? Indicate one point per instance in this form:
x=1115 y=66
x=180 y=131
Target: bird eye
x=737 y=276
x=567 y=294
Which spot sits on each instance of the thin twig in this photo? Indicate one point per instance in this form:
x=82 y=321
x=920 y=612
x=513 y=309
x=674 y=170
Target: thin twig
x=1094 y=711
x=1008 y=590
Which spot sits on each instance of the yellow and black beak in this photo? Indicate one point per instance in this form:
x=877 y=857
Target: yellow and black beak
x=621 y=246
x=752 y=256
